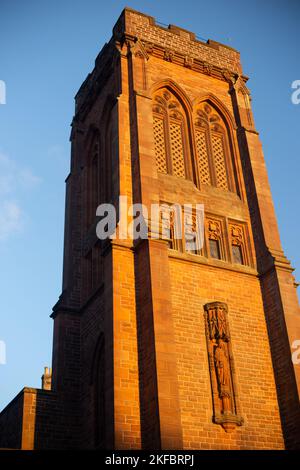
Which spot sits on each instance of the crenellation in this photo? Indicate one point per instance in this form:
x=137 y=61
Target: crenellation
x=178 y=39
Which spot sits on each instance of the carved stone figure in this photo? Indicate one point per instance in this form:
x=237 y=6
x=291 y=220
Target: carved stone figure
x=221 y=366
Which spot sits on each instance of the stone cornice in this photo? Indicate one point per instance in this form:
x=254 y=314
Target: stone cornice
x=60 y=308
x=176 y=57
x=218 y=264
x=190 y=62
x=247 y=129
x=277 y=261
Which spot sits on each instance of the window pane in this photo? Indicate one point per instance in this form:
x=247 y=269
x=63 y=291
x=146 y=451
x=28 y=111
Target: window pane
x=237 y=254
x=214 y=249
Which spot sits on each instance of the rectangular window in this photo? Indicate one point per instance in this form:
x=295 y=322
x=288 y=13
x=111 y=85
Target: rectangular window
x=214 y=249
x=237 y=254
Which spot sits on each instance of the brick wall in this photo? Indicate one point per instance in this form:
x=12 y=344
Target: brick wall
x=36 y=419
x=193 y=285
x=11 y=423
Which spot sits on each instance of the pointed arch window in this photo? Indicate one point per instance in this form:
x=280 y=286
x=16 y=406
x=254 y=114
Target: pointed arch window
x=93 y=182
x=213 y=148
x=170 y=135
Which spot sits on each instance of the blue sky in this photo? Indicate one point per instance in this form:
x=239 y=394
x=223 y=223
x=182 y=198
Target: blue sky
x=47 y=49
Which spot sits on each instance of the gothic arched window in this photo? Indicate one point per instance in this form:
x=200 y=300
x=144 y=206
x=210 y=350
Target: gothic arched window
x=170 y=135
x=93 y=183
x=212 y=148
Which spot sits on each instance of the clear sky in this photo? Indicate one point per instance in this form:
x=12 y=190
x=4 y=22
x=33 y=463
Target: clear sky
x=47 y=49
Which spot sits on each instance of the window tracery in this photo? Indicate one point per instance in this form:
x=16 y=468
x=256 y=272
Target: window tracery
x=212 y=148
x=170 y=135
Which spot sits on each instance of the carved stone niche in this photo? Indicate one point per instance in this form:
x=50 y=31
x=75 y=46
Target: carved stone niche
x=221 y=367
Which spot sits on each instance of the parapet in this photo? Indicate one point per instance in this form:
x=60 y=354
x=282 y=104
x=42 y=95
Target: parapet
x=170 y=43
x=177 y=40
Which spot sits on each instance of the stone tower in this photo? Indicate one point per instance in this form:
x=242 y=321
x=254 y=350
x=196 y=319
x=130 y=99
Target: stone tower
x=157 y=345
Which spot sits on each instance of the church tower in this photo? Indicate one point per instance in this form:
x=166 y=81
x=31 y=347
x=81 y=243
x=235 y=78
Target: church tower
x=158 y=345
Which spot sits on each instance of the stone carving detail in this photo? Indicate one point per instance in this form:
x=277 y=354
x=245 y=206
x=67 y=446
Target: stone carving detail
x=240 y=84
x=137 y=48
x=168 y=55
x=214 y=229
x=237 y=236
x=225 y=403
x=188 y=62
x=148 y=47
x=229 y=77
x=207 y=68
x=243 y=95
x=240 y=252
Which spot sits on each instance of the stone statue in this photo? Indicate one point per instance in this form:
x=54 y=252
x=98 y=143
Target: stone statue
x=221 y=366
x=221 y=362
x=223 y=373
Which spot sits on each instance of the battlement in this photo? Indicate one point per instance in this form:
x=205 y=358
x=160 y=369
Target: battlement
x=170 y=43
x=177 y=40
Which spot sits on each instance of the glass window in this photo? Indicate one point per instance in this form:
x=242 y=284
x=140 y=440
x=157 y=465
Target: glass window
x=214 y=249
x=237 y=254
